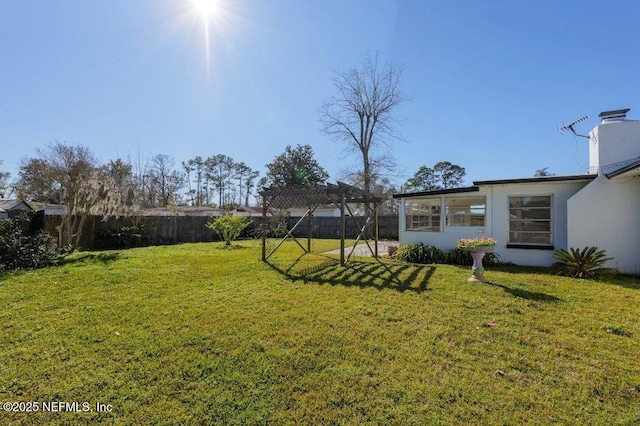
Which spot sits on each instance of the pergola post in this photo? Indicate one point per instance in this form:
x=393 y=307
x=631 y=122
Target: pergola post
x=264 y=229
x=309 y=229
x=343 y=229
x=375 y=227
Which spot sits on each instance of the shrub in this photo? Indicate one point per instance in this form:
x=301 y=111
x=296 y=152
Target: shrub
x=125 y=237
x=458 y=256
x=19 y=250
x=423 y=253
x=491 y=259
x=420 y=253
x=228 y=227
x=586 y=263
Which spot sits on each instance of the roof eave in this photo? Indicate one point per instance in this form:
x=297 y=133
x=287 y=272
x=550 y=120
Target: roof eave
x=437 y=192
x=477 y=184
x=539 y=179
x=630 y=170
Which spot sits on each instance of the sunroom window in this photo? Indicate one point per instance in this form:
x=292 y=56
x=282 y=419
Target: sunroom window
x=530 y=220
x=422 y=215
x=465 y=211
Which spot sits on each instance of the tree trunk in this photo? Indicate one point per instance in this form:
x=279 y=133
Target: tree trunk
x=78 y=235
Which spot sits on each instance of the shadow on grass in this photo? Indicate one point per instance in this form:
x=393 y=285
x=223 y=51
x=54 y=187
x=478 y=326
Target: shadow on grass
x=104 y=257
x=516 y=269
x=526 y=294
x=230 y=247
x=622 y=280
x=633 y=283
x=376 y=274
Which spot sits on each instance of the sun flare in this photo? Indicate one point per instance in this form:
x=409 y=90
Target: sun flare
x=205 y=8
x=218 y=20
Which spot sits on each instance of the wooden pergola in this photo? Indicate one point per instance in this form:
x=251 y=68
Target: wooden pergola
x=341 y=195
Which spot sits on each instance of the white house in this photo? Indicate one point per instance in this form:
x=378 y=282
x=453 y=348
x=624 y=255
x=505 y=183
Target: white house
x=532 y=217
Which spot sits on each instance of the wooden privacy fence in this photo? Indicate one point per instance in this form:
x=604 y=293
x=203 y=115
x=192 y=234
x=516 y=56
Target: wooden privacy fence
x=192 y=229
x=329 y=227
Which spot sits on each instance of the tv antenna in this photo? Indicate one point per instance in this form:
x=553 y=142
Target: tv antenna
x=562 y=128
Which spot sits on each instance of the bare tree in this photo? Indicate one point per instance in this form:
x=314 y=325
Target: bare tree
x=361 y=115
x=384 y=187
x=168 y=180
x=4 y=182
x=140 y=169
x=71 y=176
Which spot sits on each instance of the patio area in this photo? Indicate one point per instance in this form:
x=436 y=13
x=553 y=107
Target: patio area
x=362 y=250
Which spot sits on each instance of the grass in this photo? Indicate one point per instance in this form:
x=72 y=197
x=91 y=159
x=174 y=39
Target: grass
x=194 y=334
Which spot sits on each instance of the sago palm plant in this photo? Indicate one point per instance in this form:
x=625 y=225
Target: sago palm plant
x=586 y=263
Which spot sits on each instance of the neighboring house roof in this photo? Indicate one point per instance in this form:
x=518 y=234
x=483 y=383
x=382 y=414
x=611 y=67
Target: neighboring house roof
x=252 y=211
x=477 y=184
x=9 y=204
x=50 y=209
x=627 y=168
x=182 y=211
x=326 y=207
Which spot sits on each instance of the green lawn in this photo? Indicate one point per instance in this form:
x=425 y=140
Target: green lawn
x=194 y=334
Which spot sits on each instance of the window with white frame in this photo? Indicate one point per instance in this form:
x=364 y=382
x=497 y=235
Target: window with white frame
x=530 y=221
x=465 y=211
x=422 y=215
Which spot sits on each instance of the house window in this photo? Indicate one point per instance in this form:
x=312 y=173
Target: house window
x=422 y=215
x=468 y=211
x=530 y=220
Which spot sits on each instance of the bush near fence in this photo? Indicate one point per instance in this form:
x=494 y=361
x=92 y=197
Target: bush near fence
x=192 y=229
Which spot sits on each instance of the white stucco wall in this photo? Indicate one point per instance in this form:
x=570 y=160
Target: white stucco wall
x=497 y=221
x=613 y=142
x=606 y=214
x=560 y=192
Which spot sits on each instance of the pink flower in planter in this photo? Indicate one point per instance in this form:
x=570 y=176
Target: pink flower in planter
x=476 y=242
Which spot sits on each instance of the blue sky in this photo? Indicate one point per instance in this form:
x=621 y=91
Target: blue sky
x=489 y=81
